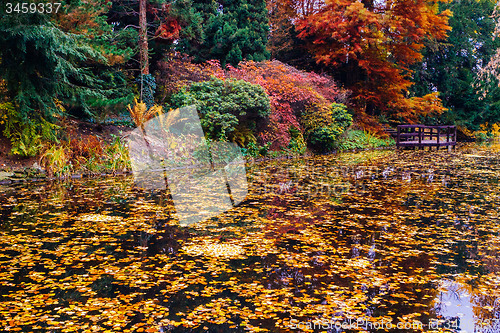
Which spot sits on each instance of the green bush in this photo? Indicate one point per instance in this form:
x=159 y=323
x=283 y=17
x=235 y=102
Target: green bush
x=222 y=105
x=26 y=136
x=297 y=144
x=482 y=136
x=255 y=150
x=323 y=138
x=26 y=143
x=341 y=115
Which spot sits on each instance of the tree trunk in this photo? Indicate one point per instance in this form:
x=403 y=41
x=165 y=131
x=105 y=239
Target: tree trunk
x=143 y=38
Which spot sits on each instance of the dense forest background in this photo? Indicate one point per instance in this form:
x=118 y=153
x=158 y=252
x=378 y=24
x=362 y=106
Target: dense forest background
x=275 y=75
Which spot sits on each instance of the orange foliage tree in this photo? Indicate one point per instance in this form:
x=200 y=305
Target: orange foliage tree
x=283 y=43
x=372 y=44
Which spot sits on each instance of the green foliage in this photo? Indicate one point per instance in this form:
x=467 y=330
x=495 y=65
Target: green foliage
x=56 y=161
x=451 y=67
x=26 y=136
x=8 y=118
x=26 y=143
x=487 y=132
x=482 y=136
x=45 y=67
x=231 y=30
x=148 y=87
x=341 y=115
x=323 y=139
x=40 y=62
x=222 y=105
x=357 y=139
x=297 y=143
x=243 y=135
x=256 y=150
x=324 y=126
x=191 y=20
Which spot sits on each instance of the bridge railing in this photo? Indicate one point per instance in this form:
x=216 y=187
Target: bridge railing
x=426 y=136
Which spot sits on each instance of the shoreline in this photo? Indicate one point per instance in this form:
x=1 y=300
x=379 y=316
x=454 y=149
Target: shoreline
x=23 y=174
x=37 y=174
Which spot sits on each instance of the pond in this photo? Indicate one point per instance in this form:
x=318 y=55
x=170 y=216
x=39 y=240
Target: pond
x=402 y=241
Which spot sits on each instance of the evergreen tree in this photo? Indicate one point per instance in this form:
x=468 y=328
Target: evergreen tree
x=45 y=67
x=190 y=19
x=233 y=30
x=451 y=67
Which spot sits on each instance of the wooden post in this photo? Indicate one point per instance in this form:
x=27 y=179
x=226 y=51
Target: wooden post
x=397 y=137
x=455 y=137
x=419 y=135
x=438 y=134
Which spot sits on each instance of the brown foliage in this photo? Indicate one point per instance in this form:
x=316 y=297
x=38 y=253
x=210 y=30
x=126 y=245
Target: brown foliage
x=85 y=147
x=179 y=71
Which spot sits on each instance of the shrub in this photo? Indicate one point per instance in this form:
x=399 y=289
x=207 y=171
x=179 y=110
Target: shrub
x=256 y=150
x=297 y=143
x=88 y=155
x=81 y=149
x=26 y=135
x=26 y=143
x=222 y=105
x=487 y=132
x=56 y=160
x=357 y=139
x=291 y=92
x=341 y=115
x=324 y=126
x=323 y=139
x=243 y=135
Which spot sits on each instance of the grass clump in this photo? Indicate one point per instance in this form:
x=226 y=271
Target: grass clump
x=359 y=139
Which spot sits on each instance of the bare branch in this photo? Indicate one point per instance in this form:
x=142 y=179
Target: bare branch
x=131 y=25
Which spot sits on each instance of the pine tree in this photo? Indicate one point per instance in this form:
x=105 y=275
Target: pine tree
x=233 y=30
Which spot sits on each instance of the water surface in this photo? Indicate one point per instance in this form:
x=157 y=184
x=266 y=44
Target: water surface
x=361 y=240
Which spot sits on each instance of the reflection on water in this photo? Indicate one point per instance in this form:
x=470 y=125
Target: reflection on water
x=466 y=310
x=407 y=238
x=454 y=305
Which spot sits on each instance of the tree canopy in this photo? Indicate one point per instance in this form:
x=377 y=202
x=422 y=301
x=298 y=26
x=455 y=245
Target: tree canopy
x=372 y=45
x=452 y=66
x=45 y=67
x=231 y=31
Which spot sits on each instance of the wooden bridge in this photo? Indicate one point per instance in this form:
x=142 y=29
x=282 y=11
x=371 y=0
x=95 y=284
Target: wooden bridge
x=421 y=136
